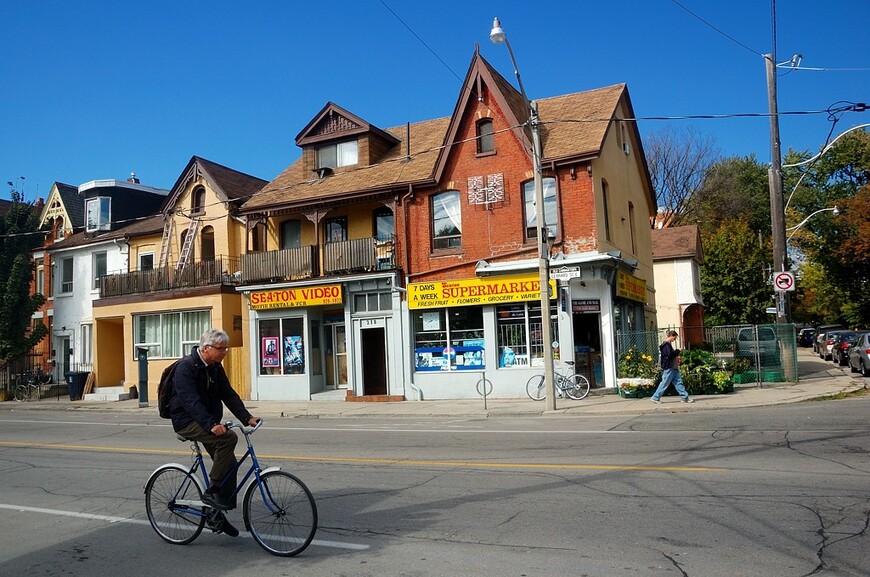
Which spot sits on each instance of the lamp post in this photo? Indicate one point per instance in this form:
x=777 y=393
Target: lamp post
x=794 y=229
x=497 y=35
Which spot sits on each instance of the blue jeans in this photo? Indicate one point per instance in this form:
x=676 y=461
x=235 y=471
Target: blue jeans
x=671 y=376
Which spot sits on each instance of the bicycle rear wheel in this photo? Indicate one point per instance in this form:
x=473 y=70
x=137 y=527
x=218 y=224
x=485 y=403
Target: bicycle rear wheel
x=175 y=522
x=280 y=513
x=577 y=387
x=535 y=388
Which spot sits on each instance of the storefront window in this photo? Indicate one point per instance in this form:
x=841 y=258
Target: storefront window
x=449 y=339
x=282 y=348
x=519 y=335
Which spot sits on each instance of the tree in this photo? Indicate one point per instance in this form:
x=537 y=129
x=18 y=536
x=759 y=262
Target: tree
x=735 y=280
x=733 y=188
x=19 y=236
x=678 y=161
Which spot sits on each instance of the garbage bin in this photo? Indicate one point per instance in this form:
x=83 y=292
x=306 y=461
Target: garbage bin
x=76 y=382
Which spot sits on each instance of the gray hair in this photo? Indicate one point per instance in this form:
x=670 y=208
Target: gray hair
x=213 y=337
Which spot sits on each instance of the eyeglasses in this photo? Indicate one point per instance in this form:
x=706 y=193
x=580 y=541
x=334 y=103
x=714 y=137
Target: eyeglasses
x=221 y=349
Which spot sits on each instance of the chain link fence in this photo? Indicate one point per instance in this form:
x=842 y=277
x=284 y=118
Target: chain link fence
x=755 y=354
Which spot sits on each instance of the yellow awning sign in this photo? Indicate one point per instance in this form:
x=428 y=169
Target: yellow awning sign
x=476 y=291
x=311 y=296
x=629 y=287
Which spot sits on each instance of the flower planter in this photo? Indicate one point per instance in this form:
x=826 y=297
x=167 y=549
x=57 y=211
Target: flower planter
x=636 y=388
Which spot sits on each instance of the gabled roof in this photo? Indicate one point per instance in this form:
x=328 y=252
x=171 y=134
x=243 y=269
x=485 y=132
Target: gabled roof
x=228 y=184
x=333 y=122
x=145 y=226
x=72 y=202
x=423 y=148
x=677 y=242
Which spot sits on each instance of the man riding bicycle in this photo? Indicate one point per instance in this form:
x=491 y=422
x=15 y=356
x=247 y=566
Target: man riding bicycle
x=201 y=389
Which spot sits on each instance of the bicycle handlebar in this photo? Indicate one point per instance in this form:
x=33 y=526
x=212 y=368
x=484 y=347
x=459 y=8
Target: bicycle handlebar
x=241 y=427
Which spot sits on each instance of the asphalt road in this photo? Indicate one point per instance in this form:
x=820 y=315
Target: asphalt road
x=772 y=491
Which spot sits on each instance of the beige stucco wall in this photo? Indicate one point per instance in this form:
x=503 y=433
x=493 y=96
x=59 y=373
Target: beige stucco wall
x=667 y=306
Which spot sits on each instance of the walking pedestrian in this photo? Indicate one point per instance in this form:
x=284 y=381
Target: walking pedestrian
x=670 y=370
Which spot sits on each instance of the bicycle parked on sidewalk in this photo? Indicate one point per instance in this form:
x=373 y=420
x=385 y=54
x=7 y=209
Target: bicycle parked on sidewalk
x=29 y=384
x=569 y=383
x=278 y=509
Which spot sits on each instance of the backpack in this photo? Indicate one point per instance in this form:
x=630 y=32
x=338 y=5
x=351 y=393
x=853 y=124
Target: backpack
x=166 y=390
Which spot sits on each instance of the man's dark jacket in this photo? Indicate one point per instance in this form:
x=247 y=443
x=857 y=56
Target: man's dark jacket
x=668 y=356
x=199 y=391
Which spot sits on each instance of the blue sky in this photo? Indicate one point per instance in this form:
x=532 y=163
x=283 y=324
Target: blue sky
x=96 y=89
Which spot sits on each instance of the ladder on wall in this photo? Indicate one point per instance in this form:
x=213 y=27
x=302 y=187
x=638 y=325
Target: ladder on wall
x=187 y=246
x=166 y=242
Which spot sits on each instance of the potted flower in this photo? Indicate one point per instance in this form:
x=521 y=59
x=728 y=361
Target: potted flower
x=637 y=374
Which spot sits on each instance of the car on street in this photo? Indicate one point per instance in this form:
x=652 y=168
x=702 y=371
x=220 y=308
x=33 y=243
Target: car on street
x=762 y=344
x=806 y=336
x=821 y=333
x=842 y=342
x=826 y=349
x=859 y=355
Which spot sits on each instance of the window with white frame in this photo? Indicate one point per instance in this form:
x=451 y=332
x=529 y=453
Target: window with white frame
x=169 y=335
x=87 y=346
x=66 y=275
x=98 y=212
x=98 y=267
x=40 y=276
x=449 y=339
x=446 y=220
x=337 y=155
x=146 y=261
x=551 y=218
x=519 y=335
x=372 y=302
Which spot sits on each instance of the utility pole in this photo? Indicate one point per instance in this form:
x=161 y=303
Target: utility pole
x=777 y=213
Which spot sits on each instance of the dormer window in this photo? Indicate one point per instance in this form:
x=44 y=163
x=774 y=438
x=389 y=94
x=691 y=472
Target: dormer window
x=98 y=212
x=337 y=155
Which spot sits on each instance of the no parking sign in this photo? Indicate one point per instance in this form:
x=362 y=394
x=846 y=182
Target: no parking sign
x=783 y=281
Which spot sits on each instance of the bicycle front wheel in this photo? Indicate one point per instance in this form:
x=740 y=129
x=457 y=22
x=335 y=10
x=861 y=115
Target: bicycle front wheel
x=165 y=495
x=577 y=387
x=535 y=388
x=280 y=513
x=21 y=393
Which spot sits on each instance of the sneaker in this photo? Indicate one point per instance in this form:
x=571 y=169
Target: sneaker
x=220 y=524
x=688 y=400
x=657 y=401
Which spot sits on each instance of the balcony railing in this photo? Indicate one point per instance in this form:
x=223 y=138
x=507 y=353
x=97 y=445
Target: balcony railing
x=221 y=271
x=285 y=264
x=358 y=255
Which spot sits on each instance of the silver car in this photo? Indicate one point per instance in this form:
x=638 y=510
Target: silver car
x=859 y=355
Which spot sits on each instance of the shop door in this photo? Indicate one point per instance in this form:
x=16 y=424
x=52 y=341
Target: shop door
x=374 y=361
x=587 y=347
x=336 y=359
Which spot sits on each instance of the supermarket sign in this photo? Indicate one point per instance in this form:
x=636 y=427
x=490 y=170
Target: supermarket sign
x=297 y=297
x=476 y=291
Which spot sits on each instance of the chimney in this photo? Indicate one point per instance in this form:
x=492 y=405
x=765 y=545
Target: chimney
x=133 y=178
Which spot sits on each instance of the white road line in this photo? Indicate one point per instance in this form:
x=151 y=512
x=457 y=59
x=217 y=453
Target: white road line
x=112 y=519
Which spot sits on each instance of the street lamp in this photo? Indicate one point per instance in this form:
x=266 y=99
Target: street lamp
x=794 y=229
x=497 y=35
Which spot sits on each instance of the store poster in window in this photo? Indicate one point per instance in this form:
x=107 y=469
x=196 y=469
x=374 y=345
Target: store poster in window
x=294 y=355
x=270 y=352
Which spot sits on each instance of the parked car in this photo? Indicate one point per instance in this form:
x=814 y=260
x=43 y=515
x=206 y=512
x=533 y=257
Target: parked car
x=859 y=355
x=821 y=334
x=764 y=344
x=842 y=342
x=806 y=337
x=826 y=350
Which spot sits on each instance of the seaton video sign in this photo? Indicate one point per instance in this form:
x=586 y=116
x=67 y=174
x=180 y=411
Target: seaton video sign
x=297 y=297
x=476 y=291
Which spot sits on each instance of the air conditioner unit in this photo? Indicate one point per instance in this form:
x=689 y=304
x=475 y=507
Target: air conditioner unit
x=626 y=148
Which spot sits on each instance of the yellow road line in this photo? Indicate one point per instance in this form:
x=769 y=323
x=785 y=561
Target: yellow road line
x=370 y=461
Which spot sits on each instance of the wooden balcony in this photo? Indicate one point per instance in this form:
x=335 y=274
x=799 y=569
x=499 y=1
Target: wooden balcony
x=275 y=265
x=358 y=255
x=221 y=271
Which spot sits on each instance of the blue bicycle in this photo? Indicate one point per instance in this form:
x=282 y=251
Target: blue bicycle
x=278 y=509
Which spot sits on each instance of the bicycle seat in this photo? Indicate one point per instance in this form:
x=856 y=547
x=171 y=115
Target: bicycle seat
x=568 y=362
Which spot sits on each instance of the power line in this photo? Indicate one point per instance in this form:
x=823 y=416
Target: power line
x=725 y=34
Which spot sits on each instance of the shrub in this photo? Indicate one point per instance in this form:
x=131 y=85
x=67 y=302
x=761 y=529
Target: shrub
x=636 y=364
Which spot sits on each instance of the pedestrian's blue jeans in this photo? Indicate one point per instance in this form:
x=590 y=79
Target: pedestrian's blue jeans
x=671 y=376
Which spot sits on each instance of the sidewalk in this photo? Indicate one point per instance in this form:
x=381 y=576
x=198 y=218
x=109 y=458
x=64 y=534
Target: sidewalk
x=817 y=379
